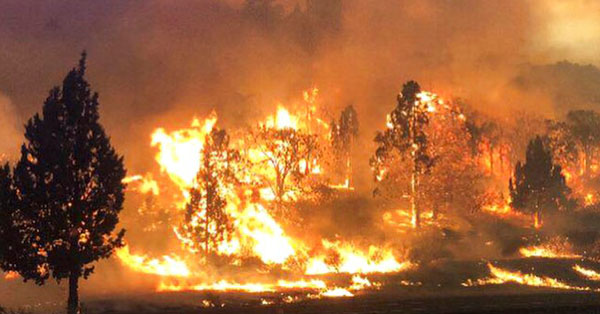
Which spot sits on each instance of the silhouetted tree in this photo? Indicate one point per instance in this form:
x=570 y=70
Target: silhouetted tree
x=68 y=190
x=585 y=128
x=343 y=134
x=538 y=185
x=206 y=220
x=405 y=134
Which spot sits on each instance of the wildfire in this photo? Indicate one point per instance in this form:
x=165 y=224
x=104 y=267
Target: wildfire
x=179 y=151
x=167 y=266
x=541 y=251
x=353 y=260
x=556 y=247
x=589 y=199
x=144 y=184
x=255 y=230
x=499 y=209
x=502 y=276
x=337 y=292
x=11 y=275
x=357 y=283
x=587 y=273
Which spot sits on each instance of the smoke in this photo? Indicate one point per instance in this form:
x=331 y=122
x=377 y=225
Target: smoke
x=9 y=130
x=159 y=63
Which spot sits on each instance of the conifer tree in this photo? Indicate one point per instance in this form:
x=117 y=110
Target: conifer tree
x=206 y=220
x=538 y=186
x=405 y=135
x=65 y=193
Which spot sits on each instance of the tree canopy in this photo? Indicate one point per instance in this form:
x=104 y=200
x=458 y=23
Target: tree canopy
x=538 y=184
x=65 y=193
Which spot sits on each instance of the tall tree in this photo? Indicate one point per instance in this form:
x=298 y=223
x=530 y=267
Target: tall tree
x=206 y=221
x=343 y=134
x=68 y=190
x=585 y=127
x=405 y=135
x=538 y=185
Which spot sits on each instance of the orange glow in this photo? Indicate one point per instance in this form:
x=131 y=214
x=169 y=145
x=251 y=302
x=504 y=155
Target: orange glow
x=257 y=232
x=167 y=266
x=589 y=274
x=11 y=275
x=546 y=251
x=501 y=276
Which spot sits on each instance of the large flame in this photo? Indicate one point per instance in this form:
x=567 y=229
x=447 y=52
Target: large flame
x=166 y=266
x=256 y=231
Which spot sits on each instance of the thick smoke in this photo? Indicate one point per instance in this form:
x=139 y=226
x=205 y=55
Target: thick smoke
x=158 y=63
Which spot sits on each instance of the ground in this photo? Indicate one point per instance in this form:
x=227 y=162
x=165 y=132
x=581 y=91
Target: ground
x=504 y=302
x=434 y=289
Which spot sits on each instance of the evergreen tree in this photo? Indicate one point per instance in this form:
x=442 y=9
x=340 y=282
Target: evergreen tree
x=206 y=221
x=405 y=134
x=538 y=185
x=66 y=191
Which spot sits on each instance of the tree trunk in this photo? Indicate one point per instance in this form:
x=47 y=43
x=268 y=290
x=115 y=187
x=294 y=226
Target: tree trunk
x=491 y=152
x=537 y=216
x=206 y=236
x=416 y=216
x=587 y=161
x=73 y=302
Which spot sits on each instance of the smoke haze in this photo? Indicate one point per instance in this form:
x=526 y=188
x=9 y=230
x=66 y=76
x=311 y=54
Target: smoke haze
x=159 y=63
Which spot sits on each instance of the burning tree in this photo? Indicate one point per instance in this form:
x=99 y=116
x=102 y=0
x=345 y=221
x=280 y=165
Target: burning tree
x=453 y=183
x=289 y=153
x=584 y=126
x=562 y=143
x=206 y=220
x=538 y=185
x=343 y=134
x=486 y=134
x=406 y=136
x=66 y=191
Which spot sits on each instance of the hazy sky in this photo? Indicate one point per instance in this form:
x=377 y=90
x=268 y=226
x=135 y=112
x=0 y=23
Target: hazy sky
x=157 y=62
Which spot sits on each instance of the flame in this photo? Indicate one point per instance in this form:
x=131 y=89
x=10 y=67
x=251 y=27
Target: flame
x=501 y=276
x=587 y=273
x=168 y=266
x=249 y=203
x=499 y=209
x=144 y=184
x=542 y=251
x=337 y=292
x=556 y=247
x=314 y=284
x=589 y=199
x=353 y=260
x=361 y=283
x=11 y=275
x=179 y=151
x=282 y=120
